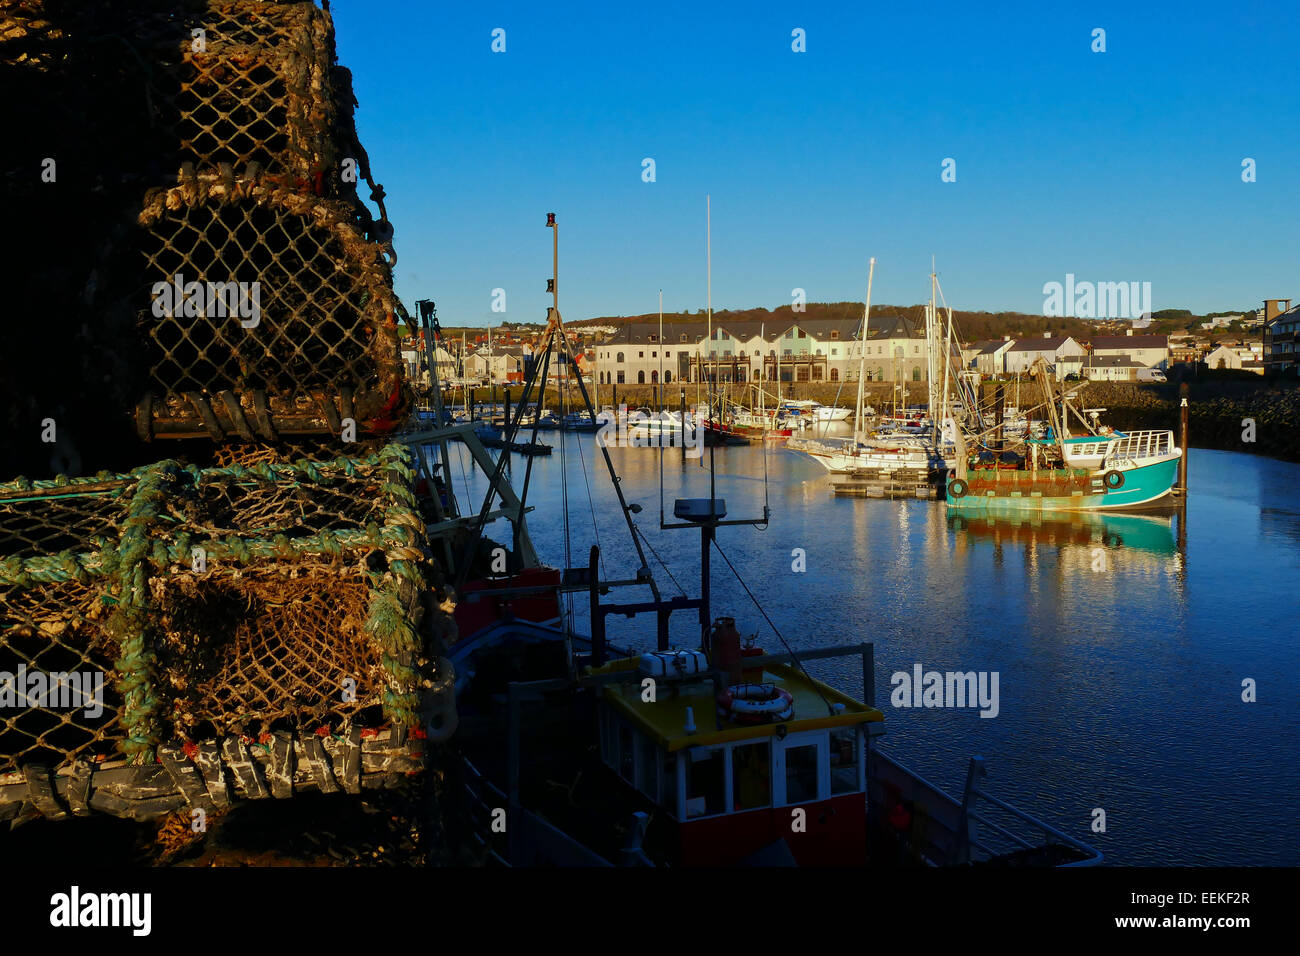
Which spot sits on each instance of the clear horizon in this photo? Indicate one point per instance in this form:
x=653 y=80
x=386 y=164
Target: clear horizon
x=1115 y=166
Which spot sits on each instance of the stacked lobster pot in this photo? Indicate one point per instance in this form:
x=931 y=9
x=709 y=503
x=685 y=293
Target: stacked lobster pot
x=250 y=616
x=182 y=636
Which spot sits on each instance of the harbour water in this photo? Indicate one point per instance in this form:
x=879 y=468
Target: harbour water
x=1121 y=643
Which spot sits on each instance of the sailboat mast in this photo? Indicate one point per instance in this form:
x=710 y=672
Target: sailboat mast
x=661 y=348
x=713 y=415
x=862 y=352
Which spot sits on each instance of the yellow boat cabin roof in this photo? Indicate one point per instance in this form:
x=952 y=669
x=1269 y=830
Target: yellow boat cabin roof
x=665 y=719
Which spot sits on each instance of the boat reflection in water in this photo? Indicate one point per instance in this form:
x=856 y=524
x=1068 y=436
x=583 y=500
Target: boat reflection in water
x=1153 y=543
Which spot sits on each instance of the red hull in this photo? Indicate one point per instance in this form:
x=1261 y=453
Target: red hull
x=834 y=834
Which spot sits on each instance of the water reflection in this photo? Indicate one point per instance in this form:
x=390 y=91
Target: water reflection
x=1118 y=677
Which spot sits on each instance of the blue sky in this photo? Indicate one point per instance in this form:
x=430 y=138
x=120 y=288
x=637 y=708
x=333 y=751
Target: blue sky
x=1115 y=166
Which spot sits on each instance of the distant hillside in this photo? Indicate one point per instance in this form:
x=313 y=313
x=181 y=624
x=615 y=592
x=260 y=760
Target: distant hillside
x=971 y=326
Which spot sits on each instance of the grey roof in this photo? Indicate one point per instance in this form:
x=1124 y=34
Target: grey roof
x=893 y=327
x=1112 y=361
x=1110 y=342
x=1040 y=345
x=639 y=333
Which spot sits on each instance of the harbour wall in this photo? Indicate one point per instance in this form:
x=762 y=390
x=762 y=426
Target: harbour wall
x=1218 y=408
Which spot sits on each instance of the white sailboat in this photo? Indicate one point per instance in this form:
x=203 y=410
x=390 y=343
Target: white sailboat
x=899 y=451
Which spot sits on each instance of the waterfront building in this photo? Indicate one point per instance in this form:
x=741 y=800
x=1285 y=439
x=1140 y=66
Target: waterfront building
x=1279 y=345
x=1059 y=351
x=1151 y=351
x=1111 y=368
x=749 y=350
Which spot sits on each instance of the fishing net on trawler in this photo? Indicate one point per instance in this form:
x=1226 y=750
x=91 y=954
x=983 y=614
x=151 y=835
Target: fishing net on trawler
x=215 y=602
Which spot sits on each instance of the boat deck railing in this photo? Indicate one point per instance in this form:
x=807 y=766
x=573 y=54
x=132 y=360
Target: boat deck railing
x=996 y=841
x=979 y=828
x=1135 y=446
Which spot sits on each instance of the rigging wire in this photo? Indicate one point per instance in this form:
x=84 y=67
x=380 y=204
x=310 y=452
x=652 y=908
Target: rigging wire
x=789 y=650
x=662 y=564
x=564 y=489
x=582 y=459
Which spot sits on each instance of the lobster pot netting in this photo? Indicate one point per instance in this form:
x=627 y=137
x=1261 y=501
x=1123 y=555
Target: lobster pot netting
x=202 y=82
x=256 y=313
x=52 y=635
x=239 y=601
x=188 y=91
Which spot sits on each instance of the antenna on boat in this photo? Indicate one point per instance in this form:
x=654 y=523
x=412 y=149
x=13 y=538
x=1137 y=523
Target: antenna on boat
x=708 y=514
x=554 y=332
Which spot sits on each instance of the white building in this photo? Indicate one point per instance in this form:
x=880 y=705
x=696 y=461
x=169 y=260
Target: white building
x=1061 y=352
x=1111 y=368
x=1151 y=351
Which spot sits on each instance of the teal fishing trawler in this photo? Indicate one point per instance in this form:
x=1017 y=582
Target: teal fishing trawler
x=1104 y=470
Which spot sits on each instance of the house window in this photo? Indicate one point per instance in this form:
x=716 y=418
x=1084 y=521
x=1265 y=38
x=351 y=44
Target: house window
x=916 y=374
x=654 y=377
x=652 y=338
x=654 y=354
x=640 y=377
x=683 y=337
x=620 y=377
x=640 y=355
x=620 y=358
x=835 y=375
x=835 y=333
x=668 y=377
x=803 y=334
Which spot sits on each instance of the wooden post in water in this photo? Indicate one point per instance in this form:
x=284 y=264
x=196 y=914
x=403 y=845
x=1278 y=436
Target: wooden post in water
x=470 y=400
x=1183 y=391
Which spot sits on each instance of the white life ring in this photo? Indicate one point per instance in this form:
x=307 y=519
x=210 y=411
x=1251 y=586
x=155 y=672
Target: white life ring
x=753 y=703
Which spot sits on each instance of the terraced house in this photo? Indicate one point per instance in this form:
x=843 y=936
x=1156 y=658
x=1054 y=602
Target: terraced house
x=807 y=350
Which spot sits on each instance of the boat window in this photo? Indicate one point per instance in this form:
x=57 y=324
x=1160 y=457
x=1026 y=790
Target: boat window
x=626 y=756
x=648 y=768
x=751 y=775
x=845 y=755
x=608 y=739
x=706 y=783
x=801 y=774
